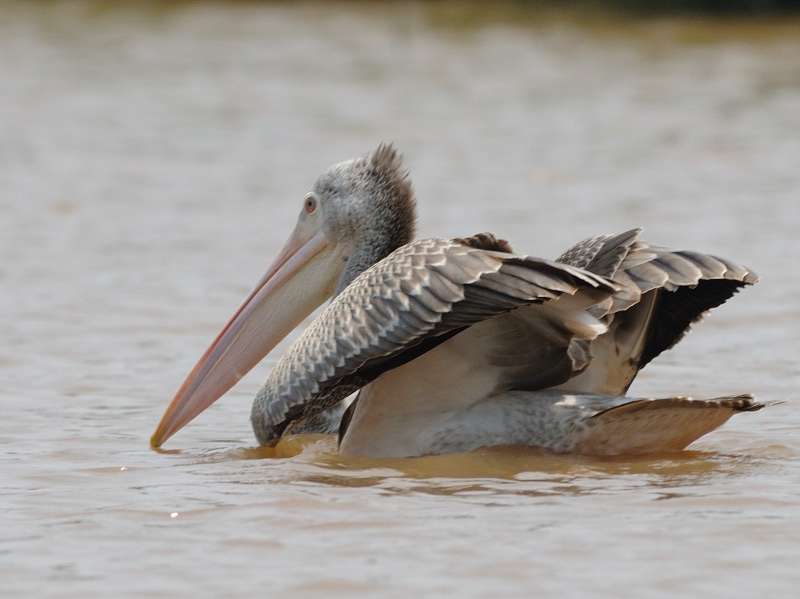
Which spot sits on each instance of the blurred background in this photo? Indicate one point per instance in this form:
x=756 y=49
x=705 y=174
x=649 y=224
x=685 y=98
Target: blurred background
x=153 y=158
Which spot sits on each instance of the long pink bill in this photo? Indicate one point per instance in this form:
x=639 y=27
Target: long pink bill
x=298 y=281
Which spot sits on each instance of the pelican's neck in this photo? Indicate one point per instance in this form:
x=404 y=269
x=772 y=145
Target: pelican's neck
x=391 y=227
x=364 y=255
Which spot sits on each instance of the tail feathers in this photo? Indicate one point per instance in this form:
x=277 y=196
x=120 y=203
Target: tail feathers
x=655 y=425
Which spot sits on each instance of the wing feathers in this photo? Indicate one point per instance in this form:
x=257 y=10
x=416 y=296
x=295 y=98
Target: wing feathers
x=642 y=325
x=429 y=291
x=420 y=294
x=602 y=254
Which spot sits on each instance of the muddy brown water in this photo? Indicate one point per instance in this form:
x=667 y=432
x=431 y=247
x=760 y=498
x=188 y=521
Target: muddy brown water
x=152 y=161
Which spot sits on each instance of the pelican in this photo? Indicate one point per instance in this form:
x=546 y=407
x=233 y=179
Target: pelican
x=457 y=344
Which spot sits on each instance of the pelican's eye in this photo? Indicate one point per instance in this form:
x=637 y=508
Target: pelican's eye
x=310 y=204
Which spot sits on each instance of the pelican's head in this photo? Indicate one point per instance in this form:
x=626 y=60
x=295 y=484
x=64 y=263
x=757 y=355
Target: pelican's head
x=357 y=213
x=364 y=208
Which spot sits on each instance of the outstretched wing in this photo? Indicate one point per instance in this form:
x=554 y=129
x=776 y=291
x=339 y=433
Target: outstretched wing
x=663 y=292
x=403 y=306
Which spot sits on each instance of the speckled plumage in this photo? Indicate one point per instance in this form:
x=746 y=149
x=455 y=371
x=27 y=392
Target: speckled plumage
x=368 y=202
x=662 y=293
x=585 y=423
x=458 y=344
x=424 y=290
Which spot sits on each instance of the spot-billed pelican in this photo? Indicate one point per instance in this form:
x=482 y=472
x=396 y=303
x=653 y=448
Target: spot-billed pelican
x=458 y=344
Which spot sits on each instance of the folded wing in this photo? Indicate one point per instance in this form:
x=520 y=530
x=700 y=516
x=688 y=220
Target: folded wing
x=414 y=300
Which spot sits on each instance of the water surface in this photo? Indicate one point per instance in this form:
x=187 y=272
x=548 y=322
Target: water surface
x=154 y=158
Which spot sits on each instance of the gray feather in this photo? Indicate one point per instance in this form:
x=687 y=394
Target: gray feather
x=585 y=423
x=663 y=292
x=423 y=291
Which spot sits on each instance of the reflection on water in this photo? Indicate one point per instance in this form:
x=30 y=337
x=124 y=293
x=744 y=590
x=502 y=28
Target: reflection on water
x=153 y=158
x=312 y=459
